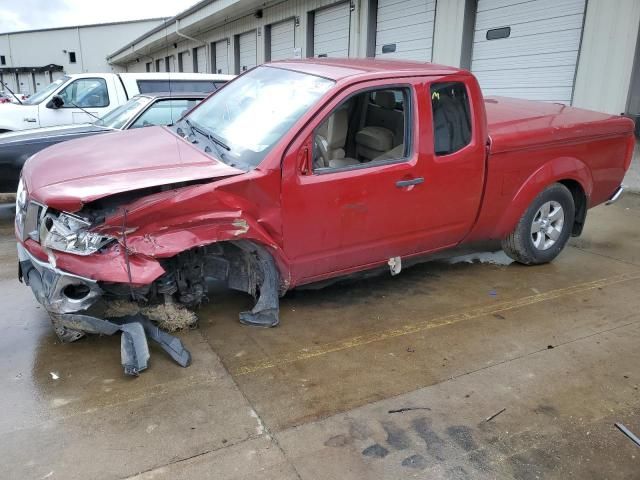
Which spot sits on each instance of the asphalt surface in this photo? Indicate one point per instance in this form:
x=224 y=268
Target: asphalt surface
x=387 y=378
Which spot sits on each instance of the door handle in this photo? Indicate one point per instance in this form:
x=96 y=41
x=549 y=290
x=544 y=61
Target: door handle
x=408 y=183
x=29 y=119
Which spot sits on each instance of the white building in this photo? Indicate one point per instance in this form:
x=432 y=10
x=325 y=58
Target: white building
x=578 y=52
x=30 y=60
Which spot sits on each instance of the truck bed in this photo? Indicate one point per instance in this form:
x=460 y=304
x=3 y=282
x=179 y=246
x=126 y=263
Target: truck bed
x=515 y=124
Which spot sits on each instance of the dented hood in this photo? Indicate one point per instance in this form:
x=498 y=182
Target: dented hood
x=70 y=174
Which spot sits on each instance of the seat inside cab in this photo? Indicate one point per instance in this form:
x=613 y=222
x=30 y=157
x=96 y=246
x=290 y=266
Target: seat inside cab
x=367 y=127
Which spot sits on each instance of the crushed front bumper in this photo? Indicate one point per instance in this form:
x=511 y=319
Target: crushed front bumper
x=56 y=290
x=64 y=294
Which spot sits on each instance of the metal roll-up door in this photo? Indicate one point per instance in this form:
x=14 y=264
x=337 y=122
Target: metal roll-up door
x=10 y=80
x=222 y=56
x=528 y=50
x=248 y=50
x=331 y=31
x=26 y=83
x=42 y=80
x=187 y=62
x=282 y=40
x=201 y=59
x=404 y=29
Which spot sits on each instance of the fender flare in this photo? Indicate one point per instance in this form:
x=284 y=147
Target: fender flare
x=554 y=171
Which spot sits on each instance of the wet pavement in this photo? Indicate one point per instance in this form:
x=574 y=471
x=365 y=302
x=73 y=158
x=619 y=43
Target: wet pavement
x=380 y=378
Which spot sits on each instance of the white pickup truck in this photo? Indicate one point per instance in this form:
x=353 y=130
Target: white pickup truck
x=79 y=98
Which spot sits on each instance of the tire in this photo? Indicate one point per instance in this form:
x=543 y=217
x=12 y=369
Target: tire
x=544 y=229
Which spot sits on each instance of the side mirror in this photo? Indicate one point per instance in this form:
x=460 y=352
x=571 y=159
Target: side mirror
x=303 y=160
x=55 y=102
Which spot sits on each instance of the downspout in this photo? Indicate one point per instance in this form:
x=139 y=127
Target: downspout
x=206 y=46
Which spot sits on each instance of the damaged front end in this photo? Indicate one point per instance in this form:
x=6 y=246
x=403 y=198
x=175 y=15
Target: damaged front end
x=119 y=261
x=64 y=294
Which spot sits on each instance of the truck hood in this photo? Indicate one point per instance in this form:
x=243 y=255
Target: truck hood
x=49 y=134
x=12 y=116
x=516 y=124
x=68 y=175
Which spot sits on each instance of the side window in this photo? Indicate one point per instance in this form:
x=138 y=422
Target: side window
x=451 y=117
x=184 y=86
x=86 y=93
x=164 y=112
x=365 y=130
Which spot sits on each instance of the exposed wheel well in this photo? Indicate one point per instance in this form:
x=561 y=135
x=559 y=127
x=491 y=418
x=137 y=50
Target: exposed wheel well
x=580 y=201
x=4 y=130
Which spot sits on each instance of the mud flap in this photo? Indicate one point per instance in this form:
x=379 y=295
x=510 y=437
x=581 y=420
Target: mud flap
x=266 y=311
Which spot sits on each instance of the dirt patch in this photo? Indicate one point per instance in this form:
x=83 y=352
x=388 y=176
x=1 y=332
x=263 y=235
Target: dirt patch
x=169 y=317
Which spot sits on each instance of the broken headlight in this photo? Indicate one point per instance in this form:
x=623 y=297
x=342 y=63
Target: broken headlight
x=21 y=204
x=70 y=233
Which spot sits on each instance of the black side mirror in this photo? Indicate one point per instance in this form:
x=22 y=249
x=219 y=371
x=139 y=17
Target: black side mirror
x=55 y=102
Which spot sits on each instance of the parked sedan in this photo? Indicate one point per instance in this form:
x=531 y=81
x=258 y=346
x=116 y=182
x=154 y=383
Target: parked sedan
x=140 y=111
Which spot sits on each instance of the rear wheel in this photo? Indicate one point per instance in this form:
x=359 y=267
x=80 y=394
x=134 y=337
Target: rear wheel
x=544 y=229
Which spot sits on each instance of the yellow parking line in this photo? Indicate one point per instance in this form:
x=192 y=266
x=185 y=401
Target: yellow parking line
x=358 y=341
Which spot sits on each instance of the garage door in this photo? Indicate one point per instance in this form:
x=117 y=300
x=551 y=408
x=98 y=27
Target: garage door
x=528 y=50
x=282 y=40
x=42 y=80
x=186 y=61
x=405 y=29
x=26 y=83
x=222 y=56
x=331 y=31
x=201 y=59
x=10 y=80
x=248 y=51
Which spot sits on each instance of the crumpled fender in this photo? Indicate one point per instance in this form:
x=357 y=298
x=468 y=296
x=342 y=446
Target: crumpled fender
x=166 y=224
x=561 y=168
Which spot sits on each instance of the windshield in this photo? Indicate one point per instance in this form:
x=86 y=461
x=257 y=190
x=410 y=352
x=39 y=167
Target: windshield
x=120 y=116
x=250 y=115
x=42 y=94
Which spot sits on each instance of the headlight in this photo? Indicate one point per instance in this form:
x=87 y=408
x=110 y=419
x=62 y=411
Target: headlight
x=21 y=197
x=21 y=206
x=69 y=233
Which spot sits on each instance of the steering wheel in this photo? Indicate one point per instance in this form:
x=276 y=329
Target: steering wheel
x=320 y=152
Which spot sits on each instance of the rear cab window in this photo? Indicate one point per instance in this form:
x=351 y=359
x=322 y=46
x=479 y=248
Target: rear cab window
x=183 y=86
x=452 y=129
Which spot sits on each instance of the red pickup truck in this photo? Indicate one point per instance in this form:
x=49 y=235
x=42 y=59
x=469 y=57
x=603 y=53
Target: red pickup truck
x=303 y=171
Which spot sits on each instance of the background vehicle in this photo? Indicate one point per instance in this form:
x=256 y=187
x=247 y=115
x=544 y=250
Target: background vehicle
x=304 y=171
x=84 y=97
x=140 y=111
x=7 y=97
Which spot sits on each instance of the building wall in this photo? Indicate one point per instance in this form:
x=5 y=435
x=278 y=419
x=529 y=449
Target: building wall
x=91 y=44
x=271 y=14
x=602 y=76
x=448 y=33
x=607 y=53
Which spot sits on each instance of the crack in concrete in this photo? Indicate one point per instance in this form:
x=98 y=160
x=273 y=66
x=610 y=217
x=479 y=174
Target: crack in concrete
x=266 y=431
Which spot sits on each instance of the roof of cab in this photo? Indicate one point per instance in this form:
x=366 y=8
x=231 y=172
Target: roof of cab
x=337 y=69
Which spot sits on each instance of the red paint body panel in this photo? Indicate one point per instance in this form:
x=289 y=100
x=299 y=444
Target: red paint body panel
x=319 y=226
x=73 y=173
x=106 y=266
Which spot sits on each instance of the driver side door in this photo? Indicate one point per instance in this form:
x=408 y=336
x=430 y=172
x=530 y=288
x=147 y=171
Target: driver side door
x=358 y=205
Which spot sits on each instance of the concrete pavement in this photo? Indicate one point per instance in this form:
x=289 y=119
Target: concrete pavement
x=554 y=348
